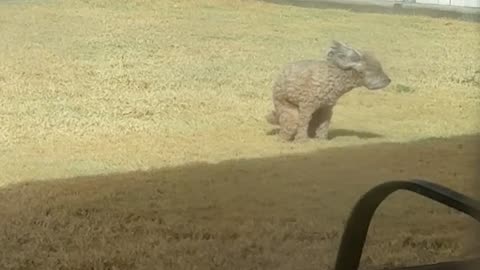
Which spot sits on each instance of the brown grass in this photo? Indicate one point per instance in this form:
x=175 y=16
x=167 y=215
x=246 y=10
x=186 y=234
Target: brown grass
x=103 y=87
x=269 y=213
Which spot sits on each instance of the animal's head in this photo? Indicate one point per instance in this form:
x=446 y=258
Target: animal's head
x=371 y=72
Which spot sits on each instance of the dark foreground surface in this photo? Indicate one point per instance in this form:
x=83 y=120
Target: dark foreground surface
x=273 y=213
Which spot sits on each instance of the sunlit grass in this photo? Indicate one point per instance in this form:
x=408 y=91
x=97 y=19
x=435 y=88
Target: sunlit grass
x=96 y=86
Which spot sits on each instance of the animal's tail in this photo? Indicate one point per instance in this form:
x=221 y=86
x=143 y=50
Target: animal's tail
x=272 y=118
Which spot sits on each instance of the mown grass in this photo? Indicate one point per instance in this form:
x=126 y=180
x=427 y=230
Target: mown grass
x=268 y=213
x=94 y=87
x=99 y=86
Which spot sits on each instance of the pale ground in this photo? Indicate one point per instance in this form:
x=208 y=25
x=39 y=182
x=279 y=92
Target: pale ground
x=101 y=87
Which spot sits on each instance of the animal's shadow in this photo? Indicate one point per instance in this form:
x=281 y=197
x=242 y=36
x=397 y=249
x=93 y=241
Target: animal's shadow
x=334 y=133
x=347 y=133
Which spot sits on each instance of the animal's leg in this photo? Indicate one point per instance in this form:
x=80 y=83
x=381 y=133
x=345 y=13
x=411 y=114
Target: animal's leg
x=278 y=103
x=285 y=114
x=321 y=122
x=272 y=118
x=287 y=119
x=304 y=117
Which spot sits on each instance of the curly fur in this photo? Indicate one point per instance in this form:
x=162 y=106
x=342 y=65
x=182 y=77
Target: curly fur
x=306 y=91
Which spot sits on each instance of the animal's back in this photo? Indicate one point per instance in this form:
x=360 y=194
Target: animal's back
x=298 y=79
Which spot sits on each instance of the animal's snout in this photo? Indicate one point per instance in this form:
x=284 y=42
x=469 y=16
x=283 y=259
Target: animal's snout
x=388 y=81
x=384 y=82
x=378 y=82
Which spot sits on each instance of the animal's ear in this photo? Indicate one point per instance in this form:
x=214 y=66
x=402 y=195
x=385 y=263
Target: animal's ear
x=345 y=56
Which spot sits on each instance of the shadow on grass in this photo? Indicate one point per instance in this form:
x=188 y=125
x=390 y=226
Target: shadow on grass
x=470 y=14
x=270 y=213
x=334 y=133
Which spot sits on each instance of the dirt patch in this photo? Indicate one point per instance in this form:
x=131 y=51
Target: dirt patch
x=272 y=213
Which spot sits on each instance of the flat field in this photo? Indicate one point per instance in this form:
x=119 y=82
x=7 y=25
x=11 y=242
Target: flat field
x=133 y=136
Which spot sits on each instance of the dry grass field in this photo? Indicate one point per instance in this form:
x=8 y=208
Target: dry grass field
x=133 y=136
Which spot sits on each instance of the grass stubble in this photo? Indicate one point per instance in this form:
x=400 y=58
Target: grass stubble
x=176 y=92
